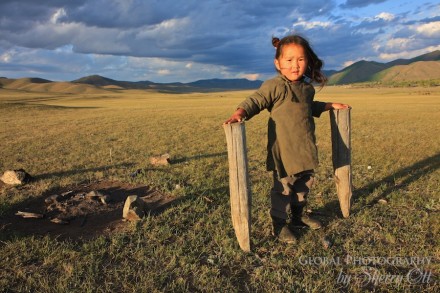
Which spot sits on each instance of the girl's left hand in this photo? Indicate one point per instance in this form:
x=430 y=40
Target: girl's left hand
x=339 y=106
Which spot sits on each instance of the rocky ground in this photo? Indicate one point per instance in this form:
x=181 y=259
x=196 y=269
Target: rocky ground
x=79 y=212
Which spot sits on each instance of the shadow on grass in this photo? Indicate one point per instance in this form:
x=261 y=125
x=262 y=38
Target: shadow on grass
x=404 y=176
x=79 y=171
x=39 y=104
x=185 y=159
x=212 y=196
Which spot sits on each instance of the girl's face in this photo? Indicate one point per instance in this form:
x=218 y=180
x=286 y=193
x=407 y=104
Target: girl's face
x=293 y=62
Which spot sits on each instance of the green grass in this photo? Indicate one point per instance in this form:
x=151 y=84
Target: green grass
x=64 y=140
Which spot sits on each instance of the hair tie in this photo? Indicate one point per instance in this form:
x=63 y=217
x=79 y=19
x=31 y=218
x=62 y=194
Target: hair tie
x=275 y=42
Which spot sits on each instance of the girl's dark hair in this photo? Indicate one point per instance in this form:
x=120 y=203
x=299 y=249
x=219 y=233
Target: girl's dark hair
x=314 y=63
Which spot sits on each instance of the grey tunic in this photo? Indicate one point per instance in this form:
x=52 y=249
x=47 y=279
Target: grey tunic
x=291 y=144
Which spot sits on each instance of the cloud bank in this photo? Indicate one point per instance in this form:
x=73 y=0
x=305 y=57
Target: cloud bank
x=189 y=40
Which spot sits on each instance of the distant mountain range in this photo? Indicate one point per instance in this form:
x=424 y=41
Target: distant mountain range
x=424 y=67
x=200 y=85
x=100 y=84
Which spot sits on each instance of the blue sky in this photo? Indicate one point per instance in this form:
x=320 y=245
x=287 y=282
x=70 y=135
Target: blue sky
x=172 y=40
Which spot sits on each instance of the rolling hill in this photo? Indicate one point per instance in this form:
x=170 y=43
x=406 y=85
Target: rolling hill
x=101 y=81
x=200 y=85
x=424 y=67
x=44 y=85
x=412 y=72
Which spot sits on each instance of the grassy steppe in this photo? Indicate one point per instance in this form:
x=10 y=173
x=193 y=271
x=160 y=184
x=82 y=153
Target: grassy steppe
x=65 y=140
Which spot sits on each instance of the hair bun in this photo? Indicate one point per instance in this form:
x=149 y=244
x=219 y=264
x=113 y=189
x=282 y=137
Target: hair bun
x=275 y=42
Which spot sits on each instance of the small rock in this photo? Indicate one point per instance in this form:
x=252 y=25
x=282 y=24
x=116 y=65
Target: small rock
x=15 y=177
x=104 y=198
x=93 y=194
x=161 y=160
x=67 y=194
x=55 y=198
x=134 y=208
x=59 y=221
x=369 y=167
x=211 y=260
x=81 y=195
x=382 y=201
x=52 y=199
x=29 y=215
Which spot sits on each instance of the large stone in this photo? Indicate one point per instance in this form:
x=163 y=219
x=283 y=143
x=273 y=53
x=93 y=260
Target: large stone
x=161 y=160
x=15 y=177
x=134 y=208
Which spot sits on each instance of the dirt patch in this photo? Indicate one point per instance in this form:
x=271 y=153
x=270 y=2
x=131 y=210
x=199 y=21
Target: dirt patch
x=79 y=215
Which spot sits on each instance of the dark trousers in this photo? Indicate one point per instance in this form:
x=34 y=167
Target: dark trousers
x=289 y=191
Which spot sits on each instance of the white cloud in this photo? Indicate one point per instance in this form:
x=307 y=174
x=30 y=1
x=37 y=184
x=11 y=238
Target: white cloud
x=163 y=71
x=172 y=24
x=381 y=19
x=385 y=16
x=7 y=56
x=57 y=15
x=352 y=61
x=133 y=39
x=251 y=76
x=64 y=49
x=308 y=25
x=431 y=29
x=348 y=63
x=164 y=32
x=398 y=44
x=408 y=54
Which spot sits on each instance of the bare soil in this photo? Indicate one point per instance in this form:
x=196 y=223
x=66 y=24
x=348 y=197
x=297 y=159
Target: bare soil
x=81 y=216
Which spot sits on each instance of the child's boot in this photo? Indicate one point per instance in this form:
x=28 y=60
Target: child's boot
x=281 y=231
x=301 y=218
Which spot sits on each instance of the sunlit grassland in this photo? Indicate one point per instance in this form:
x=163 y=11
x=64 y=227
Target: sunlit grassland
x=63 y=140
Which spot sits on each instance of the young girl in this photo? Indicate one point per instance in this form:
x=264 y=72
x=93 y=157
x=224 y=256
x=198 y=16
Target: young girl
x=292 y=153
